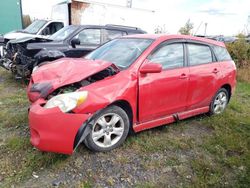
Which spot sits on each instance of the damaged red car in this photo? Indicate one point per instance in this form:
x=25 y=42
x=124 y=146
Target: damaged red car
x=131 y=83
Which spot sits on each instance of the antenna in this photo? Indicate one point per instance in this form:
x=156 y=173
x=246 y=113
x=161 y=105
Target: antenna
x=129 y=3
x=205 y=32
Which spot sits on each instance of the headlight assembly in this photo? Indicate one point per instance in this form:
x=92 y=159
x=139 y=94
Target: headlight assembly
x=67 y=102
x=34 y=69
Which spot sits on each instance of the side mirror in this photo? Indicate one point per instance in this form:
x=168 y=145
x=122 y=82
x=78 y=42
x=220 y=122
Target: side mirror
x=75 y=42
x=151 y=68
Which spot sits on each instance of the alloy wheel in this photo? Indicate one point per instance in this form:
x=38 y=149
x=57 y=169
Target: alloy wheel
x=108 y=130
x=220 y=102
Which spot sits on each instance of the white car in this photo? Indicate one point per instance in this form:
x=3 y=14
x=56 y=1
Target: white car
x=39 y=28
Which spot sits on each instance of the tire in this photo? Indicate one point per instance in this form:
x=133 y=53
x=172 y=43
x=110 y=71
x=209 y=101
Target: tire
x=219 y=102
x=110 y=129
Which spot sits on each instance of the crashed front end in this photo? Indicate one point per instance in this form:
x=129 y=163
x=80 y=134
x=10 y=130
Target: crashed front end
x=53 y=130
x=17 y=58
x=62 y=108
x=6 y=54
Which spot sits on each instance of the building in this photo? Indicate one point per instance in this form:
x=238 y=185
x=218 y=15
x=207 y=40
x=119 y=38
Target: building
x=10 y=15
x=98 y=13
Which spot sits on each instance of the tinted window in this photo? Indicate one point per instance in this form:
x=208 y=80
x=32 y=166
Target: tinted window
x=121 y=52
x=221 y=53
x=199 y=54
x=170 y=56
x=111 y=34
x=90 y=37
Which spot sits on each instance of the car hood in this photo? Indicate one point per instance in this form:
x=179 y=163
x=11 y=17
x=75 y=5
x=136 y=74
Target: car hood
x=31 y=38
x=67 y=71
x=48 y=45
x=17 y=35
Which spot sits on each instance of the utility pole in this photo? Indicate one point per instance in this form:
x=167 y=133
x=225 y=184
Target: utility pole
x=205 y=32
x=129 y=3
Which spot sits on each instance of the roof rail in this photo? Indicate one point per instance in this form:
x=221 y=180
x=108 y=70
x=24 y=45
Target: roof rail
x=122 y=26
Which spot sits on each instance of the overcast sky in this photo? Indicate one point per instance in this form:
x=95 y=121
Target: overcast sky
x=227 y=17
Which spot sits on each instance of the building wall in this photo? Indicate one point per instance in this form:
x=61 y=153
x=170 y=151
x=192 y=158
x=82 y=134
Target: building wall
x=10 y=15
x=77 y=8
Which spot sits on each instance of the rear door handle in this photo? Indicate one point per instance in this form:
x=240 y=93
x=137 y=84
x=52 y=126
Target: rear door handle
x=215 y=71
x=183 y=76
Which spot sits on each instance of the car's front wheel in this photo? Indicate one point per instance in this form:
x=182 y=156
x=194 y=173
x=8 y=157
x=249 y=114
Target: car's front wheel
x=219 y=102
x=110 y=129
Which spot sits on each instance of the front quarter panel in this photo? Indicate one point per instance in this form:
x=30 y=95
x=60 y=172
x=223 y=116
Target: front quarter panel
x=105 y=92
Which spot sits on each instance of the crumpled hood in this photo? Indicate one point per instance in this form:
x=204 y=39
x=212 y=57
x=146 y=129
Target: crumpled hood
x=17 y=35
x=32 y=38
x=66 y=71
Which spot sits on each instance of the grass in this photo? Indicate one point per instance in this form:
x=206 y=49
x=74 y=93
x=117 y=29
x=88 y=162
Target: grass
x=199 y=152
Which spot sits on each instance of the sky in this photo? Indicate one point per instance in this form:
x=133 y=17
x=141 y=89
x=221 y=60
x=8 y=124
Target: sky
x=226 y=17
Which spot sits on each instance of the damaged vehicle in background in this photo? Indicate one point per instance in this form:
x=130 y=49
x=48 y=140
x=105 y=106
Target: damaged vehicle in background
x=37 y=31
x=71 y=41
x=132 y=83
x=38 y=28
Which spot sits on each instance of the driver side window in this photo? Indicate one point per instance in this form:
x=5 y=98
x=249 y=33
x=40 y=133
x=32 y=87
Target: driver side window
x=170 y=56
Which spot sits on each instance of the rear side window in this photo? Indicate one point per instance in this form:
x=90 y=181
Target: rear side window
x=170 y=56
x=221 y=53
x=199 y=54
x=111 y=34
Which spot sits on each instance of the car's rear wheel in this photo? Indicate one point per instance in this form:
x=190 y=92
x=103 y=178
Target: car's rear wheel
x=110 y=129
x=220 y=101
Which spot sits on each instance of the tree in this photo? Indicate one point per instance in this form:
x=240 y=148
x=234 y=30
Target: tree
x=240 y=51
x=160 y=29
x=186 y=29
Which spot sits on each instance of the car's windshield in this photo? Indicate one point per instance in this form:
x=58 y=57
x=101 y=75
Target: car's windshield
x=35 y=26
x=122 y=52
x=63 y=33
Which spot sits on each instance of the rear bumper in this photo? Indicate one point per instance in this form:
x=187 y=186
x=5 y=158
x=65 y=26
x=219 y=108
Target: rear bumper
x=52 y=130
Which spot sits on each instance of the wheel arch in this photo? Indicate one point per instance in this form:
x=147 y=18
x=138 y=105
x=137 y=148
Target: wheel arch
x=85 y=129
x=125 y=105
x=229 y=90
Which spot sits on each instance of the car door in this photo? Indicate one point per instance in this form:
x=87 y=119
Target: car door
x=203 y=76
x=164 y=93
x=89 y=39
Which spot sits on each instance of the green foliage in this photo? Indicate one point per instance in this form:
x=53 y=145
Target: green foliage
x=160 y=29
x=186 y=30
x=240 y=51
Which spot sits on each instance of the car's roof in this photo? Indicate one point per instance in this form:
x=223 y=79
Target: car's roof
x=169 y=37
x=110 y=26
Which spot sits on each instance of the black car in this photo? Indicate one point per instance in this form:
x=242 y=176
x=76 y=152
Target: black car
x=71 y=41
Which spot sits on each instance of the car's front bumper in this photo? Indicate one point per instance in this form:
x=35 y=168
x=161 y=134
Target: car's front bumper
x=52 y=130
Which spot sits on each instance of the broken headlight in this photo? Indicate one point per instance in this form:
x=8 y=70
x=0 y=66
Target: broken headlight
x=67 y=102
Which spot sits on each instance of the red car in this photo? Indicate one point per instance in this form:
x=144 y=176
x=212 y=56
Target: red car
x=131 y=83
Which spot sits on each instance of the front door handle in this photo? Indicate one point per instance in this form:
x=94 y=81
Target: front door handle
x=183 y=76
x=215 y=71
